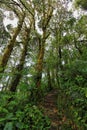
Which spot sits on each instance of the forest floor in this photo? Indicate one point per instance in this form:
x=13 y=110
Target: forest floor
x=51 y=110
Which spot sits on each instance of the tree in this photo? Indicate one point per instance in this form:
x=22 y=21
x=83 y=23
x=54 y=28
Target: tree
x=18 y=70
x=82 y=4
x=10 y=45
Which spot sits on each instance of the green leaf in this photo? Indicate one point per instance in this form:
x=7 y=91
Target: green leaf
x=8 y=126
x=86 y=92
x=19 y=125
x=9 y=116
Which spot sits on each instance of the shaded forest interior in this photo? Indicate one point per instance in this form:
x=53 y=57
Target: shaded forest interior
x=43 y=65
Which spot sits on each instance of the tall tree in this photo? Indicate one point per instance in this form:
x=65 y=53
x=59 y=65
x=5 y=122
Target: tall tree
x=9 y=48
x=18 y=70
x=46 y=12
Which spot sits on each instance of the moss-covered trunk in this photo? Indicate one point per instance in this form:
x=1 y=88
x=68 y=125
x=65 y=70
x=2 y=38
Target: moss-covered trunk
x=9 y=48
x=39 y=65
x=18 y=70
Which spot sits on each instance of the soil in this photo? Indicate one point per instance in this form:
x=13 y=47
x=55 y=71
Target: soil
x=51 y=110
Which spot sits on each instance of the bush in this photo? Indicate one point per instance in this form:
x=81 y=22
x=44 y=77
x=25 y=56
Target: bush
x=74 y=94
x=20 y=115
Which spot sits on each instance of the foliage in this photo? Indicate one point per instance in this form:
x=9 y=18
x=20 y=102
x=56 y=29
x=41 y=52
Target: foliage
x=19 y=114
x=82 y=4
x=47 y=50
x=73 y=92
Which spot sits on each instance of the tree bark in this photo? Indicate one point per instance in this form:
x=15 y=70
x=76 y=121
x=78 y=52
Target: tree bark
x=49 y=79
x=9 y=48
x=39 y=65
x=18 y=70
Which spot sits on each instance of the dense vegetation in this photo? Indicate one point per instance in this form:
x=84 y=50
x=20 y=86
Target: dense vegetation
x=45 y=49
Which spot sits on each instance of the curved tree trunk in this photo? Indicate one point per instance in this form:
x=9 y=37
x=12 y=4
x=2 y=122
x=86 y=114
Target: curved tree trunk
x=39 y=66
x=17 y=75
x=9 y=48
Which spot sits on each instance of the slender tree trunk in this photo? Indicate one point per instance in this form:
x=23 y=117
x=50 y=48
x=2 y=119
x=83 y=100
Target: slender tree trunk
x=49 y=79
x=60 y=58
x=78 y=48
x=9 y=48
x=39 y=65
x=17 y=75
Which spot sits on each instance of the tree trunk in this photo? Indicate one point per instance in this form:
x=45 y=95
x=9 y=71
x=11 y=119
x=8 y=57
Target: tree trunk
x=17 y=75
x=49 y=79
x=39 y=65
x=9 y=48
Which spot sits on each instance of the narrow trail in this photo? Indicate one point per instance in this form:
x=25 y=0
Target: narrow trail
x=50 y=107
x=51 y=110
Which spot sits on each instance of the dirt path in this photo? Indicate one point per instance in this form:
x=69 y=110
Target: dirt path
x=50 y=109
x=50 y=106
